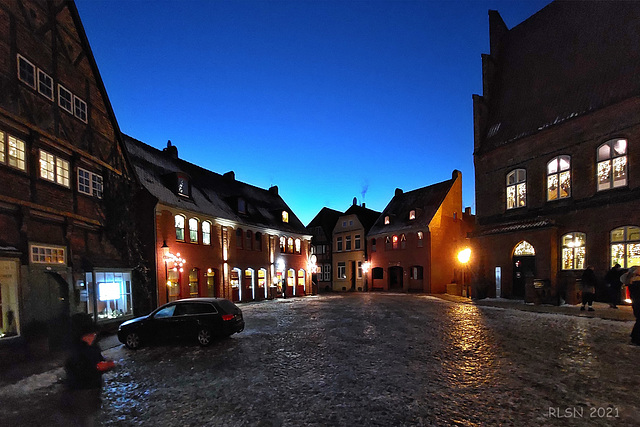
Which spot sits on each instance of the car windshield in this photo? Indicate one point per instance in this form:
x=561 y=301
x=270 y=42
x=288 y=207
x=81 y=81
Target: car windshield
x=165 y=312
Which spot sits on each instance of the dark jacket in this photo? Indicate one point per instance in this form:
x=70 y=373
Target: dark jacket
x=82 y=366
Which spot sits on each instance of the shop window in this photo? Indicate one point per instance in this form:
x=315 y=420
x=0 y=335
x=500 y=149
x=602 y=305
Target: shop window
x=248 y=240
x=612 y=164
x=291 y=277
x=625 y=246
x=262 y=278
x=114 y=295
x=193 y=283
x=48 y=254
x=90 y=183
x=298 y=244
x=573 y=251
x=12 y=151
x=193 y=230
x=348 y=243
x=339 y=244
x=206 y=233
x=173 y=285
x=517 y=189
x=420 y=239
x=45 y=85
x=258 y=245
x=179 y=224
x=342 y=270
x=239 y=237
x=301 y=275
x=559 y=178
x=211 y=277
x=54 y=169
x=26 y=72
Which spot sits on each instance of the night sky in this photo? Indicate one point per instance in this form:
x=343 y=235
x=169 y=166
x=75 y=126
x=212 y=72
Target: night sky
x=328 y=100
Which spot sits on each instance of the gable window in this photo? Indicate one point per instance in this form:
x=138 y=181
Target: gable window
x=420 y=239
x=90 y=183
x=45 y=85
x=179 y=224
x=285 y=216
x=65 y=99
x=12 y=151
x=412 y=214
x=206 y=233
x=183 y=186
x=239 y=237
x=517 y=189
x=559 y=178
x=625 y=246
x=26 y=72
x=54 y=169
x=387 y=220
x=348 y=243
x=612 y=164
x=356 y=242
x=242 y=206
x=339 y=244
x=80 y=109
x=193 y=230
x=573 y=251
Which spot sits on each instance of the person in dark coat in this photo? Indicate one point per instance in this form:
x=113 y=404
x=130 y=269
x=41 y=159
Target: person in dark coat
x=613 y=285
x=588 y=285
x=632 y=279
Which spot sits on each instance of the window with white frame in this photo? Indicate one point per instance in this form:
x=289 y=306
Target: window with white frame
x=625 y=246
x=339 y=244
x=612 y=164
x=342 y=270
x=179 y=224
x=45 y=85
x=573 y=251
x=559 y=178
x=80 y=109
x=54 y=169
x=12 y=151
x=41 y=254
x=193 y=230
x=327 y=272
x=348 y=243
x=298 y=246
x=517 y=189
x=356 y=242
x=26 y=71
x=65 y=99
x=359 y=269
x=90 y=183
x=206 y=233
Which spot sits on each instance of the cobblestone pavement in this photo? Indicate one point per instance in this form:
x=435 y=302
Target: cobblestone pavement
x=367 y=359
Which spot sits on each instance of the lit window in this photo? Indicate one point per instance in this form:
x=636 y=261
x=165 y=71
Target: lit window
x=183 y=186
x=339 y=244
x=625 y=246
x=179 y=223
x=559 y=178
x=193 y=230
x=13 y=153
x=65 y=99
x=283 y=244
x=386 y=220
x=517 y=189
x=524 y=248
x=54 y=169
x=612 y=164
x=301 y=275
x=420 y=238
x=356 y=242
x=193 y=283
x=45 y=85
x=298 y=246
x=285 y=216
x=206 y=233
x=47 y=254
x=412 y=214
x=80 y=109
x=89 y=183
x=395 y=242
x=290 y=245
x=342 y=270
x=359 y=269
x=26 y=71
x=573 y=251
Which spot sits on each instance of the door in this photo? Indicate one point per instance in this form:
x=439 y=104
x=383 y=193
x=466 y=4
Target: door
x=395 y=278
x=523 y=267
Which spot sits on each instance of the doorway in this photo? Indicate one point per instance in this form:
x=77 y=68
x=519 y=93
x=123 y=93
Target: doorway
x=395 y=278
x=524 y=265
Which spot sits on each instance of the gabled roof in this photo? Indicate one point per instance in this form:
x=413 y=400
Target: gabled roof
x=366 y=216
x=325 y=219
x=212 y=194
x=568 y=59
x=425 y=201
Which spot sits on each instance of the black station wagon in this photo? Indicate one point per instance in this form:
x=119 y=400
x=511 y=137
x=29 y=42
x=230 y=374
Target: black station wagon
x=198 y=319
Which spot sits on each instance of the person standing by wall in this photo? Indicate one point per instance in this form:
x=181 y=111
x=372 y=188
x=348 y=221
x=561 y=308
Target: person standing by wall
x=612 y=278
x=588 y=284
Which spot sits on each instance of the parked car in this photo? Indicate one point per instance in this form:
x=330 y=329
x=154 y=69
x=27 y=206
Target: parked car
x=197 y=319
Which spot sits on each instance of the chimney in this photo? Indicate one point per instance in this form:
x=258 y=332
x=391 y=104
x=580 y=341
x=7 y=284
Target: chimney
x=171 y=150
x=467 y=210
x=273 y=189
x=231 y=175
x=455 y=174
x=355 y=201
x=364 y=205
x=398 y=192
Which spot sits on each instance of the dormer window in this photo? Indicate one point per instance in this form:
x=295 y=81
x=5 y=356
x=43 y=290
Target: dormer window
x=387 y=220
x=412 y=214
x=285 y=216
x=183 y=186
x=242 y=206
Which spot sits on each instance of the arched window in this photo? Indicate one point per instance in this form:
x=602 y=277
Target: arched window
x=301 y=274
x=258 y=245
x=285 y=217
x=612 y=164
x=373 y=245
x=559 y=178
x=206 y=233
x=524 y=248
x=239 y=237
x=193 y=230
x=420 y=239
x=179 y=224
x=403 y=241
x=625 y=246
x=387 y=220
x=290 y=245
x=248 y=240
x=573 y=251
x=412 y=214
x=395 y=242
x=298 y=247
x=283 y=244
x=517 y=189
x=387 y=243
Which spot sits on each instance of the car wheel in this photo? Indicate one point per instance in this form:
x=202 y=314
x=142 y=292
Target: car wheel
x=132 y=340
x=204 y=337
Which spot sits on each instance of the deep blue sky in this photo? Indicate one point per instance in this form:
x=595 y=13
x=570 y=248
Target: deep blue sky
x=328 y=100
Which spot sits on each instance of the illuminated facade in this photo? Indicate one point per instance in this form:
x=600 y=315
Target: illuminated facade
x=212 y=235
x=61 y=157
x=557 y=135
x=321 y=228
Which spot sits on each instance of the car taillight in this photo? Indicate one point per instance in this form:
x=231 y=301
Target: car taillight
x=227 y=317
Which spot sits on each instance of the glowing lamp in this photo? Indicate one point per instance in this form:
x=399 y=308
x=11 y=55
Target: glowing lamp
x=464 y=255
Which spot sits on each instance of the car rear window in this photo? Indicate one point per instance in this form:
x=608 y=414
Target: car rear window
x=195 y=308
x=227 y=306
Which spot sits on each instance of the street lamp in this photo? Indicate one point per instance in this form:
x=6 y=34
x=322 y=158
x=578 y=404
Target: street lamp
x=165 y=258
x=365 y=269
x=463 y=257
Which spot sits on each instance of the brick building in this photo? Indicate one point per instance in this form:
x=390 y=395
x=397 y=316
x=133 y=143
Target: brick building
x=61 y=159
x=557 y=135
x=413 y=245
x=321 y=229
x=211 y=235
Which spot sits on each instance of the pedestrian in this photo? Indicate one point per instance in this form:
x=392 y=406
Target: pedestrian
x=612 y=278
x=632 y=279
x=284 y=288
x=588 y=284
x=84 y=368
